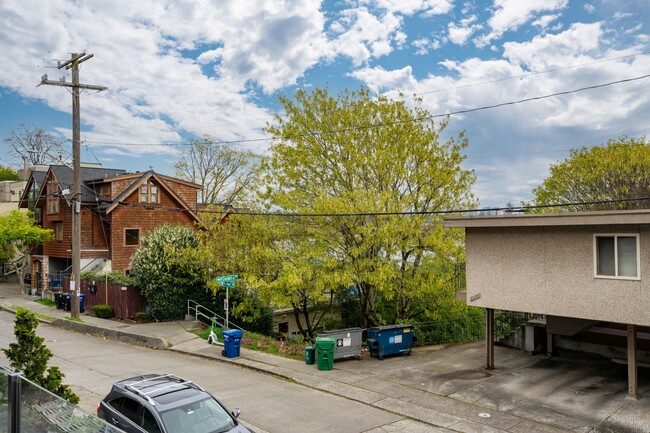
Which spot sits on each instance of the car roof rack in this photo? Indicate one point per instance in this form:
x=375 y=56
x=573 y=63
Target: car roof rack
x=137 y=386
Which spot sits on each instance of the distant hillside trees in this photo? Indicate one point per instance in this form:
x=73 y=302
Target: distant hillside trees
x=7 y=173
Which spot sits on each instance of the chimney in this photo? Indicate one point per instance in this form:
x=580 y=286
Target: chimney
x=26 y=171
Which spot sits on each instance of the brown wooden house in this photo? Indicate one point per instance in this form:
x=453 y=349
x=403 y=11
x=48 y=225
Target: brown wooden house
x=117 y=209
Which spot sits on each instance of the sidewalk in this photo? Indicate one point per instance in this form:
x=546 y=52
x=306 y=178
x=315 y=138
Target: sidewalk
x=443 y=388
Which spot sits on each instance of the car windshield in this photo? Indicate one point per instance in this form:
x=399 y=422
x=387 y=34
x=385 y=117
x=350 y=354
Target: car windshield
x=205 y=416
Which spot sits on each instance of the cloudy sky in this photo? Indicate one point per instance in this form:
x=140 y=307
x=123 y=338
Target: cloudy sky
x=182 y=69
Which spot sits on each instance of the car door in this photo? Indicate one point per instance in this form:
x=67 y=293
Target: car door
x=124 y=413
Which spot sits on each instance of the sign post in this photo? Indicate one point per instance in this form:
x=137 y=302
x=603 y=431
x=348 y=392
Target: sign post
x=227 y=281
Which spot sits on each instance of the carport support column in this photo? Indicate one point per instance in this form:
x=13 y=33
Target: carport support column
x=489 y=337
x=632 y=377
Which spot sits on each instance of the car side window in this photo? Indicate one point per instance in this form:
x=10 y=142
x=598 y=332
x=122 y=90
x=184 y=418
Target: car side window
x=127 y=407
x=149 y=422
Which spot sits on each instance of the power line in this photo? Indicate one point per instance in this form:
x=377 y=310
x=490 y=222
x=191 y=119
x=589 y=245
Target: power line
x=397 y=122
x=532 y=74
x=514 y=210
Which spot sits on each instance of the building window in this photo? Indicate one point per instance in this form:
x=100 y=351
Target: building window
x=58 y=230
x=149 y=193
x=132 y=237
x=617 y=256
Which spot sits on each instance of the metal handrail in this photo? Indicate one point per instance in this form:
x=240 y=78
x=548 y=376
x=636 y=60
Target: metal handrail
x=201 y=311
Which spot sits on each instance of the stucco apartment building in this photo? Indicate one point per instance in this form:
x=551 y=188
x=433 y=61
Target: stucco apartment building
x=117 y=209
x=588 y=273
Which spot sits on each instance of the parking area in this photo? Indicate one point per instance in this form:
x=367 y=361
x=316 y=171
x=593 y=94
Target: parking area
x=571 y=391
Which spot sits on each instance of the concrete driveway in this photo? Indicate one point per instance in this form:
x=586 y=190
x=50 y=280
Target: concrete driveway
x=571 y=391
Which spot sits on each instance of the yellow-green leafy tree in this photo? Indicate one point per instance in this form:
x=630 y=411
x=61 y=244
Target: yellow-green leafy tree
x=374 y=173
x=18 y=234
x=613 y=176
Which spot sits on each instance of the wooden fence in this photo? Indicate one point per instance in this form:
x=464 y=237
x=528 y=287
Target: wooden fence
x=125 y=300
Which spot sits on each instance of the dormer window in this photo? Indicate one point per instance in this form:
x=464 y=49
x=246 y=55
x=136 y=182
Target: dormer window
x=149 y=193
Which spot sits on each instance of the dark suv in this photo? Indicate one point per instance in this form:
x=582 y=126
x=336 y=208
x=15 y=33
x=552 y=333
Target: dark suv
x=165 y=403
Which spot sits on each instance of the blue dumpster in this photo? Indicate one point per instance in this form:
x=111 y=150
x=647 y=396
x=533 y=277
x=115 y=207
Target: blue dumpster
x=390 y=340
x=231 y=342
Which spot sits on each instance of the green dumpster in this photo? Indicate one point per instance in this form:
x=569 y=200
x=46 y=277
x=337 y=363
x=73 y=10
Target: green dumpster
x=309 y=355
x=325 y=353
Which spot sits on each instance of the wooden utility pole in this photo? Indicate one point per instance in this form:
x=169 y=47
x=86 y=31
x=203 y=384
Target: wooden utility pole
x=75 y=60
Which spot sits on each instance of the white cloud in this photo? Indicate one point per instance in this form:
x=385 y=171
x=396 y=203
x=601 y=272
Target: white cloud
x=424 y=45
x=366 y=35
x=589 y=8
x=378 y=79
x=511 y=14
x=461 y=32
x=410 y=7
x=543 y=21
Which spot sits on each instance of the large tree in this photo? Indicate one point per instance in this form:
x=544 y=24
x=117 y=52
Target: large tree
x=225 y=173
x=617 y=173
x=18 y=234
x=377 y=171
x=35 y=145
x=278 y=261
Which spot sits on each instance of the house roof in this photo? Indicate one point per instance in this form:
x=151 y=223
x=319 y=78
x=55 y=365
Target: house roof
x=64 y=175
x=620 y=217
x=141 y=178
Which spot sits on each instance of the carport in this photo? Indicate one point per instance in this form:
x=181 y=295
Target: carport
x=586 y=267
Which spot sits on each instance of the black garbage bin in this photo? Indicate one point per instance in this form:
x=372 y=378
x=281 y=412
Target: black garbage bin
x=59 y=300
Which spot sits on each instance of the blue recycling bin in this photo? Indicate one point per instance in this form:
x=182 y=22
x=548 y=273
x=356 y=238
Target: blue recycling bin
x=390 y=340
x=231 y=342
x=66 y=300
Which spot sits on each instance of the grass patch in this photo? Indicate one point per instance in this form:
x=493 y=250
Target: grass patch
x=74 y=319
x=46 y=302
x=294 y=349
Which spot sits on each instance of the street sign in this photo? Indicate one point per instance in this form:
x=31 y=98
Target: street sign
x=224 y=278
x=227 y=284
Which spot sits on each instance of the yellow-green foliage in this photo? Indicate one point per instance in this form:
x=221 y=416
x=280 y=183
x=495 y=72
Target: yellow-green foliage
x=347 y=158
x=618 y=171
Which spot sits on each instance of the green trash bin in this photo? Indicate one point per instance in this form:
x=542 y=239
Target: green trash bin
x=309 y=355
x=325 y=353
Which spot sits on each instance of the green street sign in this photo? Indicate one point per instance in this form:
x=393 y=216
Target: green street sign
x=224 y=278
x=227 y=283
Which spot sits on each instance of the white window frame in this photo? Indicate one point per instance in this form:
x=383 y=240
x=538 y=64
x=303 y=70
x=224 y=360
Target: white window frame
x=616 y=236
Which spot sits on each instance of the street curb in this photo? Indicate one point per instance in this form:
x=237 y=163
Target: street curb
x=239 y=363
x=111 y=334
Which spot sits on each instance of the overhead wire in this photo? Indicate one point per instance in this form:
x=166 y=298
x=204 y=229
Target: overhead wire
x=397 y=122
x=513 y=210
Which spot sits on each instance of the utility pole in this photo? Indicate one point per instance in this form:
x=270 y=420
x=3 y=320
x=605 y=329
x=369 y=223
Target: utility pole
x=75 y=60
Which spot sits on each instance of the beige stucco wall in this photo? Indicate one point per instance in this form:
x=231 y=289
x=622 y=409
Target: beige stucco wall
x=550 y=270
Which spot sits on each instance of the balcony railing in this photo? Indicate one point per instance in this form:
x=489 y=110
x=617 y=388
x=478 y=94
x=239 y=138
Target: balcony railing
x=27 y=408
